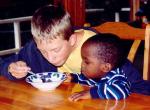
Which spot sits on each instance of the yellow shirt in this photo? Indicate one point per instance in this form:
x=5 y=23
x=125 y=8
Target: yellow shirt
x=73 y=63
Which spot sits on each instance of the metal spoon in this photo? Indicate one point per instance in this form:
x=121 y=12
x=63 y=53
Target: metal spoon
x=31 y=72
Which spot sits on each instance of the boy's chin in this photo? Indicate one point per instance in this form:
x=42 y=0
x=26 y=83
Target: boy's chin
x=85 y=74
x=58 y=64
x=90 y=77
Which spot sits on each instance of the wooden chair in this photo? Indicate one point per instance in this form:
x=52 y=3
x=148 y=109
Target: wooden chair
x=124 y=31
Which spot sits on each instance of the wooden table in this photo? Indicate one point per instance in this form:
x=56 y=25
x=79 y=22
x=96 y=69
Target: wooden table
x=22 y=96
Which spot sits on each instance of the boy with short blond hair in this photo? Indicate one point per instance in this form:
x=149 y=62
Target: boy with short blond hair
x=55 y=47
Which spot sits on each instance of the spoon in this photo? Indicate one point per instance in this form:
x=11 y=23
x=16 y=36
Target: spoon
x=31 y=72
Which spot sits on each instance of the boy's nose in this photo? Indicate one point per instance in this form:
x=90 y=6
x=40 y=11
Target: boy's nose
x=82 y=66
x=51 y=58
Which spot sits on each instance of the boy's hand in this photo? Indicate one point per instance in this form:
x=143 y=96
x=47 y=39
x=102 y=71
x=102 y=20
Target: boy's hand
x=80 y=95
x=69 y=78
x=18 y=69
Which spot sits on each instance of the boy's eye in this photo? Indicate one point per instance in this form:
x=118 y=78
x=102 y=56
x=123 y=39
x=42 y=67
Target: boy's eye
x=57 y=50
x=43 y=52
x=86 y=62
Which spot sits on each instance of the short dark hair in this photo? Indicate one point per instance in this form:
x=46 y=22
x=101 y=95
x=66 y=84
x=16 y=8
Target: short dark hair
x=108 y=47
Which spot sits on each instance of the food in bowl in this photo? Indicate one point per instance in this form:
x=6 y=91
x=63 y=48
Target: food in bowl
x=46 y=81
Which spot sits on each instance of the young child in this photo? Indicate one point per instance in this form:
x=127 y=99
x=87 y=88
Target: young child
x=55 y=47
x=102 y=58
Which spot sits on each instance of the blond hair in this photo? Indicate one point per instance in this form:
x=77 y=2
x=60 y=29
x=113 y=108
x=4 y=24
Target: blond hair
x=50 y=22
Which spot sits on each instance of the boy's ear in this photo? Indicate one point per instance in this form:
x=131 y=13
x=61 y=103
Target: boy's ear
x=107 y=67
x=73 y=39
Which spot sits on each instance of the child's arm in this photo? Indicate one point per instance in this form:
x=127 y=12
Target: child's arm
x=8 y=63
x=74 y=77
x=116 y=88
x=31 y=56
x=81 y=79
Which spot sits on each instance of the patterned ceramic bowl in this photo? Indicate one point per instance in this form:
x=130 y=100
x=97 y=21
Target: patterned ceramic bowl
x=46 y=81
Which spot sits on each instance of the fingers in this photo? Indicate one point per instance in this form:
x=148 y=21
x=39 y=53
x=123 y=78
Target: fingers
x=69 y=78
x=18 y=69
x=80 y=95
x=75 y=97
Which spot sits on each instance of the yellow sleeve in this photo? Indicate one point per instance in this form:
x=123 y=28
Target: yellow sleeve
x=73 y=63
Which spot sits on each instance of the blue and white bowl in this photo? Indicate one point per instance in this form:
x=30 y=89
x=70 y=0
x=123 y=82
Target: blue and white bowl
x=46 y=81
